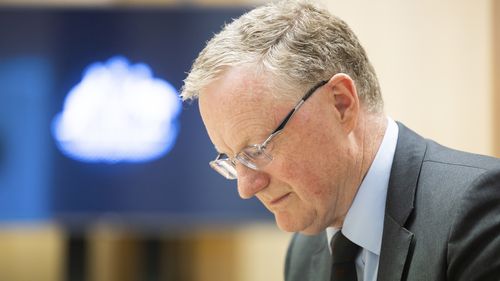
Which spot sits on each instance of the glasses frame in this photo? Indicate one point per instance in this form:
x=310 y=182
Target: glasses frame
x=226 y=166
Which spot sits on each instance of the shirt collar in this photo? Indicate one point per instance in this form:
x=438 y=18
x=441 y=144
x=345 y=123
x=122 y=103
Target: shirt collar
x=364 y=221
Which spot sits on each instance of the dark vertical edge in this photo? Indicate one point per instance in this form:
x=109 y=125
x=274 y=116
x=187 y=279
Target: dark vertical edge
x=76 y=248
x=151 y=259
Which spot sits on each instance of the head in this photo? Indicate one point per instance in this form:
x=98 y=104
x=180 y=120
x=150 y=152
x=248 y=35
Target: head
x=249 y=77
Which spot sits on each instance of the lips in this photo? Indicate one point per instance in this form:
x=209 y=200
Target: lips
x=279 y=199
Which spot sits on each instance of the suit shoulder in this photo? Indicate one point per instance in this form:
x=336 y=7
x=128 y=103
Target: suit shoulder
x=473 y=241
x=440 y=154
x=447 y=173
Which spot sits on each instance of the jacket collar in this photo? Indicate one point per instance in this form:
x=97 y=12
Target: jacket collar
x=397 y=240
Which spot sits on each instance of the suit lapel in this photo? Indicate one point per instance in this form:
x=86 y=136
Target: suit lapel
x=396 y=239
x=396 y=244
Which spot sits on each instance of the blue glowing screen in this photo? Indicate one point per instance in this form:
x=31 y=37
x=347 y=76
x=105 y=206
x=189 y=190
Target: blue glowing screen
x=86 y=135
x=118 y=112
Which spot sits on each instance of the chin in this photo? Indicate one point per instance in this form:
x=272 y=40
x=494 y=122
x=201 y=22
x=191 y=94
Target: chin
x=287 y=224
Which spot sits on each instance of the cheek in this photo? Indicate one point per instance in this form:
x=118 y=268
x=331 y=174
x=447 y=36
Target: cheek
x=309 y=165
x=307 y=179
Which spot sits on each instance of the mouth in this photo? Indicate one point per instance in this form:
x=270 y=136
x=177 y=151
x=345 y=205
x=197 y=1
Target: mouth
x=279 y=199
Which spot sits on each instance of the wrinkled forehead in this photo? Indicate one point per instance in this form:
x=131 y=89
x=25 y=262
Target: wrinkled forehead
x=238 y=89
x=236 y=106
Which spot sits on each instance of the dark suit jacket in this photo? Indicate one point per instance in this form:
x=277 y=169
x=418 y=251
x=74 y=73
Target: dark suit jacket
x=442 y=219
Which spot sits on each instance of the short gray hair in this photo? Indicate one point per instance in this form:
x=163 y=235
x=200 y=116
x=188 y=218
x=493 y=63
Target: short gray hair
x=295 y=42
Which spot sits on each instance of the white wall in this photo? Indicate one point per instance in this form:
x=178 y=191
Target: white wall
x=434 y=61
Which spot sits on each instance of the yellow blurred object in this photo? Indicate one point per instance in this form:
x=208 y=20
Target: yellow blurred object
x=113 y=255
x=31 y=252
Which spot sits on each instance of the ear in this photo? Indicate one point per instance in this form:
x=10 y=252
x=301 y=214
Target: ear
x=346 y=100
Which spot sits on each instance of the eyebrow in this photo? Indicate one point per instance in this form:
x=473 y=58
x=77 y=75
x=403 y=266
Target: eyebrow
x=245 y=142
x=241 y=145
x=218 y=150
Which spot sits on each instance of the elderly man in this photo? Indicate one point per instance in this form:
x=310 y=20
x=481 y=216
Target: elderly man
x=293 y=107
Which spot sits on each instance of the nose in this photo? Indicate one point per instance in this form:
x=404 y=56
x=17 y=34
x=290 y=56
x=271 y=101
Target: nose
x=250 y=182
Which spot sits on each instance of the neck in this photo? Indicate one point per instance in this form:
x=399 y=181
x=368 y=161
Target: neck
x=371 y=133
x=367 y=138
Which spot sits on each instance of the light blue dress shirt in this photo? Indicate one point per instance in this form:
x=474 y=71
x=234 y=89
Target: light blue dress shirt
x=364 y=221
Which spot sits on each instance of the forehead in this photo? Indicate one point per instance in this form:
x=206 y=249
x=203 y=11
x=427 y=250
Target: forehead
x=238 y=86
x=238 y=109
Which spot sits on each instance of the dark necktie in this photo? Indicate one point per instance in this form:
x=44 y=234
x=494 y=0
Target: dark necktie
x=344 y=254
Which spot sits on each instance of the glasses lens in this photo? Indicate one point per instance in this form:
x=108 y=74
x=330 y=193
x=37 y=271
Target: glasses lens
x=254 y=157
x=225 y=168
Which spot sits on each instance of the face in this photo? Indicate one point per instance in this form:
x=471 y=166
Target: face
x=306 y=186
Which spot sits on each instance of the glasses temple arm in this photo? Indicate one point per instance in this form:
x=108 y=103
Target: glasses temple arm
x=292 y=112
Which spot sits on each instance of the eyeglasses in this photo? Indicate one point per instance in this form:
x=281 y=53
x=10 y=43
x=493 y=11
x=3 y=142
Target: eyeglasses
x=256 y=156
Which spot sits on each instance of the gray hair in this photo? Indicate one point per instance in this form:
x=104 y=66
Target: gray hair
x=296 y=43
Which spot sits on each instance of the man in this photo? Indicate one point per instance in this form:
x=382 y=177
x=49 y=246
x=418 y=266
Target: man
x=294 y=109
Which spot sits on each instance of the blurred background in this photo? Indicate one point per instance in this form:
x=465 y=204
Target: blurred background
x=78 y=205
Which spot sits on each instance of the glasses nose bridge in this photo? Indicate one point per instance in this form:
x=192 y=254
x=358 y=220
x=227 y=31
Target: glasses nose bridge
x=237 y=161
